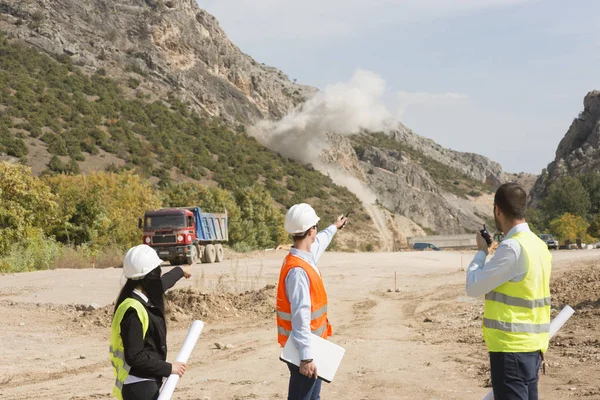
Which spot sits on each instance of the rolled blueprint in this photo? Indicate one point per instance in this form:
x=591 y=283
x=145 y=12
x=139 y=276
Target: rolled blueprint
x=182 y=357
x=555 y=325
x=560 y=320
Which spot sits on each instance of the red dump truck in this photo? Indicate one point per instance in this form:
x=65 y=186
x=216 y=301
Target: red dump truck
x=185 y=235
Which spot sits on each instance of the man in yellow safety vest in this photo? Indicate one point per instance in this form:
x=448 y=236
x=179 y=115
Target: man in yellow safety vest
x=516 y=286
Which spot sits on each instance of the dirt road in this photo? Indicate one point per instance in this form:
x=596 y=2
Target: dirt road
x=423 y=342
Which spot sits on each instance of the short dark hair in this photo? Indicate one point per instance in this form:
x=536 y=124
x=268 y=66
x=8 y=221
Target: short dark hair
x=512 y=200
x=301 y=236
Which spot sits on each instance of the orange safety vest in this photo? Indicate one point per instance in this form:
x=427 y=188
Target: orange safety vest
x=319 y=325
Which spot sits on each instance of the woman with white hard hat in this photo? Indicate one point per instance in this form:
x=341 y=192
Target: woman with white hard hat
x=138 y=339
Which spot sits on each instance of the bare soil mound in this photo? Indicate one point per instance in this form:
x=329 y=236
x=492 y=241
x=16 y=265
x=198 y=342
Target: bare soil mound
x=576 y=344
x=183 y=305
x=580 y=289
x=190 y=302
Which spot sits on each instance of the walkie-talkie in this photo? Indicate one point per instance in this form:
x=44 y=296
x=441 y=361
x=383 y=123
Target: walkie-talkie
x=347 y=214
x=486 y=235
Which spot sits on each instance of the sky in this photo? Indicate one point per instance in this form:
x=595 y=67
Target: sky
x=502 y=78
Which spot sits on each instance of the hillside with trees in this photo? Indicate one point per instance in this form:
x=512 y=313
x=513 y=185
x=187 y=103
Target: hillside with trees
x=570 y=210
x=161 y=152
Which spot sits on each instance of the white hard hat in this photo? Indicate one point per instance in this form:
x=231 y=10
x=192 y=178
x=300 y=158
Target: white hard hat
x=139 y=261
x=300 y=218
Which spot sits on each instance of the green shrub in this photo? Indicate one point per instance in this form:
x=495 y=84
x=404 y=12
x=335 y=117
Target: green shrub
x=242 y=247
x=38 y=15
x=31 y=253
x=133 y=83
x=26 y=205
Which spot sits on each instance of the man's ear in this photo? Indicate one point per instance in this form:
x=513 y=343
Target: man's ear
x=499 y=212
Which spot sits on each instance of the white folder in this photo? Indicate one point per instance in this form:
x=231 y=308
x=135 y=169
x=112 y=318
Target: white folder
x=327 y=356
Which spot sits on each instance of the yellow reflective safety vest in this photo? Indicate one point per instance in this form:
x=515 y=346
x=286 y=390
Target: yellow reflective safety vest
x=117 y=350
x=516 y=317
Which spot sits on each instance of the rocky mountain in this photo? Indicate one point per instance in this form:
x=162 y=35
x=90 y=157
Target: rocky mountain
x=440 y=190
x=578 y=152
x=173 y=49
x=472 y=165
x=174 y=45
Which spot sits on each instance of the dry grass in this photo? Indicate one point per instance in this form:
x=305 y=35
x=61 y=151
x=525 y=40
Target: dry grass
x=73 y=258
x=84 y=257
x=239 y=279
x=111 y=257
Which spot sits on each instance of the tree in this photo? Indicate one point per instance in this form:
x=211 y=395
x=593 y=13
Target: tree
x=9 y=144
x=594 y=229
x=261 y=221
x=537 y=220
x=570 y=227
x=101 y=209
x=566 y=195
x=56 y=165
x=26 y=205
x=72 y=167
x=591 y=183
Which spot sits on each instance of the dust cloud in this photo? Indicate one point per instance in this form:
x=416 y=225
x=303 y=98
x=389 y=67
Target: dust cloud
x=345 y=108
x=343 y=178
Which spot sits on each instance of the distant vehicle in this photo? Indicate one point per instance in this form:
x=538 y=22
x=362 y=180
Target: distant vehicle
x=181 y=235
x=425 y=246
x=549 y=240
x=498 y=237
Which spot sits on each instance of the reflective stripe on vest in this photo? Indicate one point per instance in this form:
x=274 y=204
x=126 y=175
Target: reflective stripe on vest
x=516 y=327
x=517 y=314
x=515 y=301
x=283 y=332
x=320 y=331
x=319 y=325
x=314 y=315
x=116 y=349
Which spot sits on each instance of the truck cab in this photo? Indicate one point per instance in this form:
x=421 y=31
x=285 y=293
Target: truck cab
x=185 y=235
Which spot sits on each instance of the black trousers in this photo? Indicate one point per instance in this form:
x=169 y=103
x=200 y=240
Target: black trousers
x=145 y=390
x=515 y=375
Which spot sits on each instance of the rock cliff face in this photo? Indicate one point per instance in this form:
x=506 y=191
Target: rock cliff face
x=174 y=45
x=402 y=181
x=472 y=165
x=578 y=152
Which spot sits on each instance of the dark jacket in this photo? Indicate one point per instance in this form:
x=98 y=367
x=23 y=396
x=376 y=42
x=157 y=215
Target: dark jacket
x=147 y=357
